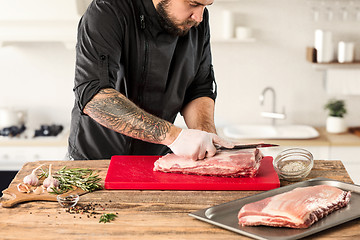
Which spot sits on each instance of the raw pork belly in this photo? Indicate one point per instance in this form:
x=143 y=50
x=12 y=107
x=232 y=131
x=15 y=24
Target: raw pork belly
x=299 y=208
x=226 y=163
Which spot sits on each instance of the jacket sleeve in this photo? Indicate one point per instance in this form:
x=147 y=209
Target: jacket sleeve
x=204 y=84
x=98 y=50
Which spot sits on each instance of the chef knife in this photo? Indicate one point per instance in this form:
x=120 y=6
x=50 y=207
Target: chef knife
x=245 y=146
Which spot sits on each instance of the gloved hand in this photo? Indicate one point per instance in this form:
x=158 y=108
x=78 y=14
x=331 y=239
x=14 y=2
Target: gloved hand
x=197 y=144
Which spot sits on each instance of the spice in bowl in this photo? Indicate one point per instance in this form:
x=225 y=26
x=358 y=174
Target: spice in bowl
x=293 y=164
x=68 y=201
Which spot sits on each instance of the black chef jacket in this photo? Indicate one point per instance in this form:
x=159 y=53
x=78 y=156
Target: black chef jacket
x=122 y=45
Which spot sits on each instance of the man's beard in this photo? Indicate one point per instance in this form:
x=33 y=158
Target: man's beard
x=168 y=23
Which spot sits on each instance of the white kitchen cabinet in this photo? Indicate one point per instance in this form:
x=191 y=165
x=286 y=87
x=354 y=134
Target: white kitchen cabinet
x=319 y=152
x=349 y=155
x=13 y=157
x=346 y=154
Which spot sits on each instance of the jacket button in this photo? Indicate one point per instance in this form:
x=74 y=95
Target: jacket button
x=102 y=57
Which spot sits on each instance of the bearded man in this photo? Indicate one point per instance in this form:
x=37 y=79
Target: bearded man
x=138 y=64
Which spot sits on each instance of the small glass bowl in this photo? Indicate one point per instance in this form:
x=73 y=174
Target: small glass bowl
x=68 y=201
x=293 y=164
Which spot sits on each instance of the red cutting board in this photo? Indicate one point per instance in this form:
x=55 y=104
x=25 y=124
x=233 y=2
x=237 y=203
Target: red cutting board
x=136 y=172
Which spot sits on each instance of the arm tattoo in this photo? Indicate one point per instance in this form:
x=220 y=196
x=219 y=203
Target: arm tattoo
x=115 y=111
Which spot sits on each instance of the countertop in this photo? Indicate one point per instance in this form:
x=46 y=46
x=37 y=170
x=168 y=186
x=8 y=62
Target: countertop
x=325 y=139
x=141 y=214
x=27 y=140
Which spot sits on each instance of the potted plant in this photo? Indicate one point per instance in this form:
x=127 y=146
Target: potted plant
x=335 y=122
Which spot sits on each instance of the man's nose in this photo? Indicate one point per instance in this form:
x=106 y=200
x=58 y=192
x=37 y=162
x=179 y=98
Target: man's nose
x=197 y=15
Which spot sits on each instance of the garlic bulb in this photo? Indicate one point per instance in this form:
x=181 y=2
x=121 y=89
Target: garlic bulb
x=32 y=178
x=50 y=180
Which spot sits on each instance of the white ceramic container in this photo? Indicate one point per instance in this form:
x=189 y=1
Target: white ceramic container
x=335 y=125
x=10 y=118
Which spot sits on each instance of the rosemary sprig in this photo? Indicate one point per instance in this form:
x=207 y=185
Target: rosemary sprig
x=107 y=217
x=83 y=178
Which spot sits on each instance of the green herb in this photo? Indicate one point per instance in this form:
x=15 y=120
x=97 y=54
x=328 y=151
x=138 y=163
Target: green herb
x=43 y=174
x=57 y=191
x=83 y=178
x=107 y=217
x=336 y=108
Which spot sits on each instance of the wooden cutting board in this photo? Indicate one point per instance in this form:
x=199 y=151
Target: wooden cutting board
x=12 y=196
x=20 y=197
x=136 y=172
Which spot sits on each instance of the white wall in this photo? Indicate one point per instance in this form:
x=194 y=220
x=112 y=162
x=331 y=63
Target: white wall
x=283 y=29
x=39 y=77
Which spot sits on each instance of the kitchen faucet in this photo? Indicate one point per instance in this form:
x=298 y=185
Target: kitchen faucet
x=273 y=114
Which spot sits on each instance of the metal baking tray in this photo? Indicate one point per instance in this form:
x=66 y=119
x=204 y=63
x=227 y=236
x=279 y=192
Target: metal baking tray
x=225 y=215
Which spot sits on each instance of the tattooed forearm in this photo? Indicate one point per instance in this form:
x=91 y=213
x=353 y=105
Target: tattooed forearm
x=113 y=110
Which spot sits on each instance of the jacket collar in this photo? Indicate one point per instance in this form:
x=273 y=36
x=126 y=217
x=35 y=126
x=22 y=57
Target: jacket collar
x=152 y=16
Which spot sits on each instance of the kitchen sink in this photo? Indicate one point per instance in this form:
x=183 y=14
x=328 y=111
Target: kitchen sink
x=270 y=132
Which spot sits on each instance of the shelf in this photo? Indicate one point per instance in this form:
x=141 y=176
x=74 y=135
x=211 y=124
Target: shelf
x=55 y=21
x=335 y=65
x=224 y=1
x=39 y=31
x=311 y=58
x=233 y=40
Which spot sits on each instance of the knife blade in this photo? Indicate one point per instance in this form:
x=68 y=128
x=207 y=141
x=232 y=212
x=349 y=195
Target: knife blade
x=246 y=146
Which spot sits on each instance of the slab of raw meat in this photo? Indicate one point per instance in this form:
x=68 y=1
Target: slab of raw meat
x=226 y=163
x=299 y=208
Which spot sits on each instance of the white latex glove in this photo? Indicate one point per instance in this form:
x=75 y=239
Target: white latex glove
x=196 y=144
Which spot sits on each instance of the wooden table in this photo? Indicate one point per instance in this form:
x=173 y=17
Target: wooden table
x=141 y=214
